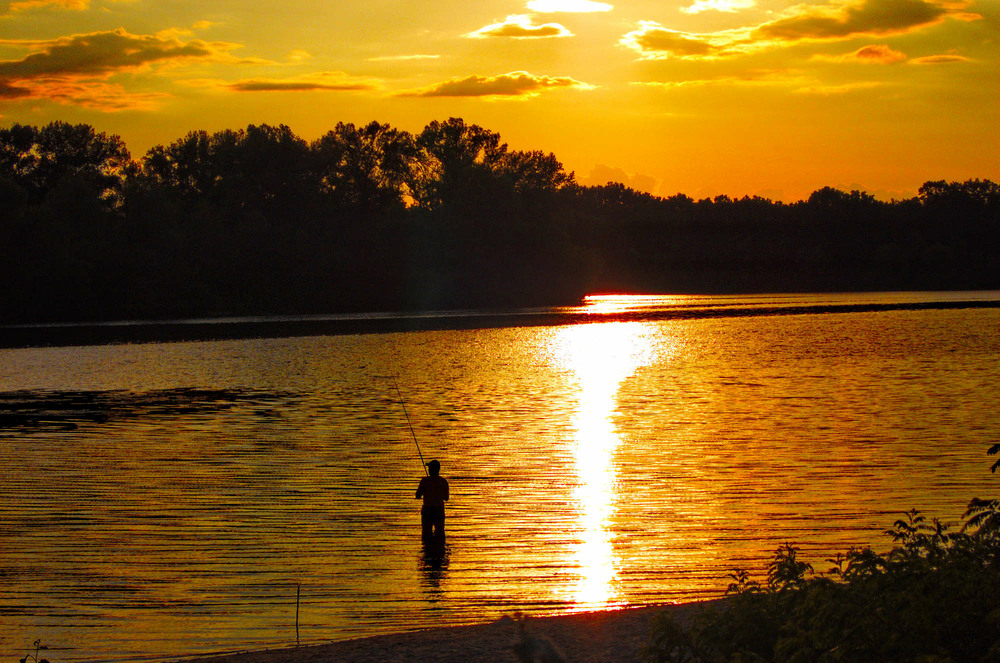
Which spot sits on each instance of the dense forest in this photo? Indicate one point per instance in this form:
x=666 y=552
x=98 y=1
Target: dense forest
x=366 y=218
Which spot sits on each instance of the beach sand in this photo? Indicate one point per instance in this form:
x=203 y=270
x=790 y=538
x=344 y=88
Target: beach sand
x=615 y=636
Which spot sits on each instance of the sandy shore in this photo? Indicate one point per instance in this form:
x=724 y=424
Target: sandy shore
x=616 y=636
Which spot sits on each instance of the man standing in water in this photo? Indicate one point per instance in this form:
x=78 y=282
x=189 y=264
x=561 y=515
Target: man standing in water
x=434 y=489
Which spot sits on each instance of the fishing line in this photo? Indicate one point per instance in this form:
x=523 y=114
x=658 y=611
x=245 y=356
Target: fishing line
x=405 y=413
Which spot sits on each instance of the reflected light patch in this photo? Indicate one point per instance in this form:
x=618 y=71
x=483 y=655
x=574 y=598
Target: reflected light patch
x=615 y=303
x=601 y=356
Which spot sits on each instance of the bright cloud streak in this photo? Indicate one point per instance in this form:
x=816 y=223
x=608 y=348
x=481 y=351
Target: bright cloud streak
x=519 y=26
x=939 y=59
x=654 y=42
x=729 y=6
x=568 y=6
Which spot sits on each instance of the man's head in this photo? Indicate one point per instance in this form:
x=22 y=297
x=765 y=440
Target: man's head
x=434 y=468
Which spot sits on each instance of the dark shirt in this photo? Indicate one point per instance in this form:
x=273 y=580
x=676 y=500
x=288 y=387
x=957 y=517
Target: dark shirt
x=434 y=490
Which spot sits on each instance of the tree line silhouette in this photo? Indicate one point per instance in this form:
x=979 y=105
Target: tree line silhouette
x=259 y=221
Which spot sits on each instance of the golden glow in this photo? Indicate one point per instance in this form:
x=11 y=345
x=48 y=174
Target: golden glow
x=601 y=356
x=670 y=79
x=605 y=304
x=611 y=304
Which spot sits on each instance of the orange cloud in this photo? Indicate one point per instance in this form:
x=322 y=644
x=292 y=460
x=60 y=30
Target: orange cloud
x=10 y=90
x=513 y=85
x=334 y=81
x=98 y=95
x=519 y=26
x=874 y=54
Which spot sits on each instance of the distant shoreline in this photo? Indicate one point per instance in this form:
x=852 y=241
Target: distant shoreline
x=168 y=331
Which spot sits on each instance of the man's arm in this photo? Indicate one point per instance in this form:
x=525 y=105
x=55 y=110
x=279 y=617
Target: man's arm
x=420 y=489
x=445 y=490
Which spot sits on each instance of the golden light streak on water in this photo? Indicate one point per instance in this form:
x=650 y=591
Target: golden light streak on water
x=600 y=356
x=185 y=490
x=611 y=304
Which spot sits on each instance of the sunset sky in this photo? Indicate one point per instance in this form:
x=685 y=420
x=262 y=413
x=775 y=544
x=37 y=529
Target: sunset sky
x=703 y=97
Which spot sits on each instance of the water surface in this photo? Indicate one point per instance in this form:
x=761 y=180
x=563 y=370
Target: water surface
x=169 y=498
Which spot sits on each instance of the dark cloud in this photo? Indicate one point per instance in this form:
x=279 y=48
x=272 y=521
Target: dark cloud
x=515 y=84
x=103 y=53
x=12 y=91
x=297 y=86
x=876 y=17
x=75 y=70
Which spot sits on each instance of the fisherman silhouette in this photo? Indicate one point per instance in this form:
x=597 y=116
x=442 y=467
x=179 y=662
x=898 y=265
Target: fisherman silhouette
x=433 y=489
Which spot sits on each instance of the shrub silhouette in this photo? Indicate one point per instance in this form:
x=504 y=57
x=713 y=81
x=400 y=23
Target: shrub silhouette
x=934 y=596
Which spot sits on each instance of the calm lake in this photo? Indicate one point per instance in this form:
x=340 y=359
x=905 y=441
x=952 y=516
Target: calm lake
x=168 y=499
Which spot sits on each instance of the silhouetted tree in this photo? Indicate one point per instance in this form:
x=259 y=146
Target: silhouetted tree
x=982 y=193
x=193 y=166
x=38 y=159
x=372 y=218
x=273 y=163
x=533 y=172
x=458 y=163
x=366 y=169
x=17 y=155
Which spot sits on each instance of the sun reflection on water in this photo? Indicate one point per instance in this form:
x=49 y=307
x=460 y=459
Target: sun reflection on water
x=601 y=357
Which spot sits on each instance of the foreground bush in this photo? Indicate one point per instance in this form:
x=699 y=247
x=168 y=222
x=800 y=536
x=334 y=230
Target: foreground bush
x=933 y=598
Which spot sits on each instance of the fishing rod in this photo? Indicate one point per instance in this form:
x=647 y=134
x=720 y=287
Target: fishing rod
x=403 y=404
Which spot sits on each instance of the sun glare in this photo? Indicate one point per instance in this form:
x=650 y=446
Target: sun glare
x=601 y=357
x=618 y=303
